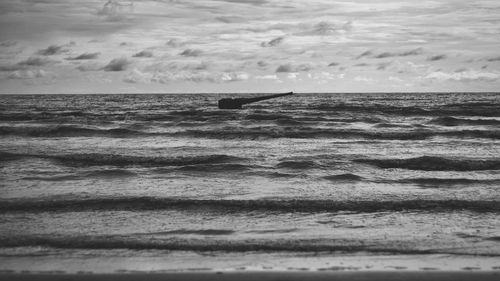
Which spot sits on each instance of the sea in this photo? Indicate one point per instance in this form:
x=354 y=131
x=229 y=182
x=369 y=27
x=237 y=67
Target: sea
x=314 y=181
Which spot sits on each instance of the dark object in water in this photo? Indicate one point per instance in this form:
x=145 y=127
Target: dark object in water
x=230 y=103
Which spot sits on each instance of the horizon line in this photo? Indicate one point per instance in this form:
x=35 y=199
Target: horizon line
x=242 y=93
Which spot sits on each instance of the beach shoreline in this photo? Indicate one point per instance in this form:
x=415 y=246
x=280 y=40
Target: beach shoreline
x=263 y=276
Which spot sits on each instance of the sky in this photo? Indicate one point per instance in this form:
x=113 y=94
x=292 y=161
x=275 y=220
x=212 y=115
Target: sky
x=170 y=46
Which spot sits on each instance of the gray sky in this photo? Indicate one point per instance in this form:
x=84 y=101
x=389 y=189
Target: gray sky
x=70 y=46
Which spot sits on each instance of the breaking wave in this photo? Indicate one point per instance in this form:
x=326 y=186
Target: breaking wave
x=290 y=205
x=432 y=163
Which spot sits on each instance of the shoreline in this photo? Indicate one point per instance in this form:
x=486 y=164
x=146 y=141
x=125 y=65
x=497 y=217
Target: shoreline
x=263 y=276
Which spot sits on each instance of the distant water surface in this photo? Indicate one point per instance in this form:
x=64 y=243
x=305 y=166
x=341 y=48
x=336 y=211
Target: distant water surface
x=304 y=177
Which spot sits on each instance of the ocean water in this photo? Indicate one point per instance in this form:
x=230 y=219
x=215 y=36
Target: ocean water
x=119 y=183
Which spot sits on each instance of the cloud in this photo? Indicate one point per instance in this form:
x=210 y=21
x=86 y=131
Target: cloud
x=361 y=65
x=437 y=57
x=90 y=66
x=363 y=79
x=266 y=77
x=273 y=43
x=364 y=54
x=52 y=50
x=114 y=10
x=191 y=53
x=251 y=2
x=143 y=54
x=28 y=74
x=174 y=42
x=166 y=77
x=395 y=79
x=261 y=38
x=414 y=52
x=328 y=28
x=136 y=76
x=262 y=64
x=177 y=66
x=294 y=68
x=494 y=59
x=11 y=67
x=230 y=19
x=35 y=61
x=8 y=43
x=119 y=64
x=322 y=28
x=408 y=67
x=85 y=56
x=233 y=76
x=383 y=66
x=469 y=75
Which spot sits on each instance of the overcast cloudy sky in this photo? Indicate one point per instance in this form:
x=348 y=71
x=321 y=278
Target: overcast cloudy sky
x=70 y=46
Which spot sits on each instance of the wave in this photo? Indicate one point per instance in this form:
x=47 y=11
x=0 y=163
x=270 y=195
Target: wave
x=67 y=131
x=471 y=109
x=439 y=182
x=288 y=205
x=288 y=122
x=7 y=156
x=226 y=167
x=138 y=242
x=54 y=178
x=114 y=173
x=29 y=116
x=308 y=132
x=344 y=177
x=191 y=231
x=373 y=108
x=304 y=164
x=268 y=116
x=452 y=121
x=200 y=245
x=288 y=131
x=277 y=175
x=265 y=231
x=433 y=163
x=110 y=173
x=95 y=159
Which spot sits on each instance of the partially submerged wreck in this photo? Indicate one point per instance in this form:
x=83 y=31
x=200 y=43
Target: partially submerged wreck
x=237 y=103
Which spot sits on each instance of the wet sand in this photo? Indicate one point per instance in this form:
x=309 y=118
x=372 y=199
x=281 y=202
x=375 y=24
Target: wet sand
x=263 y=276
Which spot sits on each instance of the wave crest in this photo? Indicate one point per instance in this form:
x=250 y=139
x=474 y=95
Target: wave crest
x=344 y=177
x=95 y=159
x=67 y=131
x=302 y=132
x=304 y=164
x=433 y=163
x=289 y=205
x=452 y=121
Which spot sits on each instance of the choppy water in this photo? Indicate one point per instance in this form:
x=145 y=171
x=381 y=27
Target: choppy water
x=311 y=175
